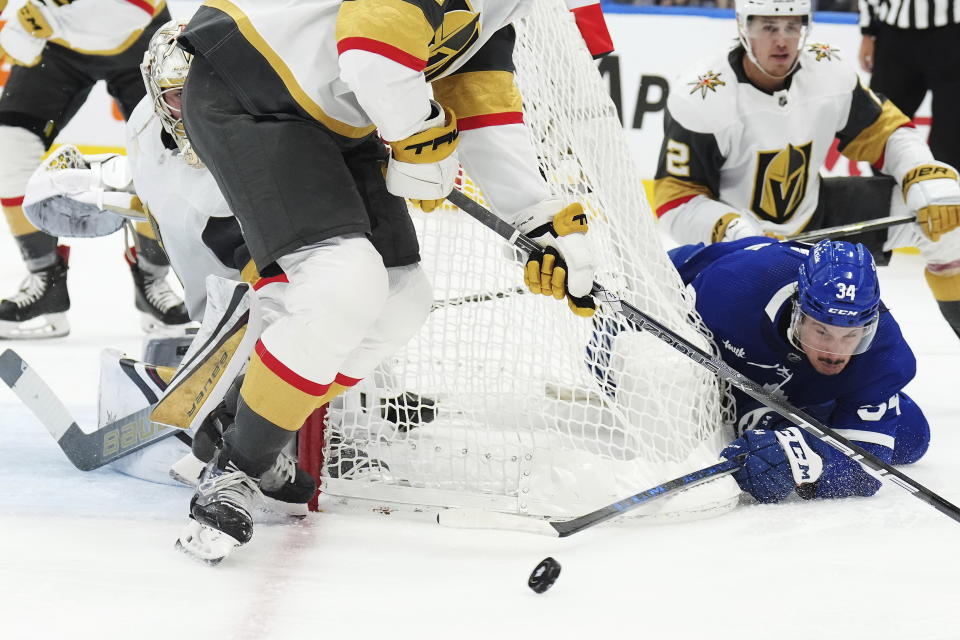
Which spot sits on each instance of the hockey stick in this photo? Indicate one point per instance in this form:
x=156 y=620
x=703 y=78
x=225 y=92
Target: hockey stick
x=642 y=322
x=477 y=297
x=87 y=451
x=472 y=519
x=855 y=227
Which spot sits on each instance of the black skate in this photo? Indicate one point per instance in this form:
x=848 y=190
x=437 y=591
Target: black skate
x=344 y=461
x=220 y=513
x=39 y=309
x=408 y=411
x=159 y=306
x=286 y=488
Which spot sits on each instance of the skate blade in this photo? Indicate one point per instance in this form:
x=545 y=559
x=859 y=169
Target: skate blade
x=52 y=325
x=205 y=544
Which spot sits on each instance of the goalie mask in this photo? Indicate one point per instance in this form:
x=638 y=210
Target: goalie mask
x=164 y=71
x=760 y=19
x=837 y=307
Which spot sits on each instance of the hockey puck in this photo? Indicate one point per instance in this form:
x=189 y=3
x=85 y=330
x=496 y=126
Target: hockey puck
x=544 y=575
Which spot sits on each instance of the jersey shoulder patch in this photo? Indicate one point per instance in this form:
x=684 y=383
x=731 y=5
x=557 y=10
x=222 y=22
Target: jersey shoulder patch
x=704 y=99
x=825 y=71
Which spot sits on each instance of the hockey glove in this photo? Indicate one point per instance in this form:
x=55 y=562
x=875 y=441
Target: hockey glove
x=423 y=167
x=933 y=192
x=25 y=40
x=779 y=460
x=565 y=266
x=733 y=226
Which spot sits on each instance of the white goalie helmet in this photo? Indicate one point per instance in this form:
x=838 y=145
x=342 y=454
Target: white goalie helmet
x=748 y=9
x=164 y=69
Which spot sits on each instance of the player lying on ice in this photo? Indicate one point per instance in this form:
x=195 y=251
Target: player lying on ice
x=743 y=146
x=809 y=324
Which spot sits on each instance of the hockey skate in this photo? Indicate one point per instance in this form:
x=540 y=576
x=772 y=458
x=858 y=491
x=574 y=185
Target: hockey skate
x=159 y=306
x=220 y=513
x=286 y=487
x=347 y=462
x=39 y=309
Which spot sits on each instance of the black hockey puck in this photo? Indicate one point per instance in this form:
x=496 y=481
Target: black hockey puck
x=544 y=575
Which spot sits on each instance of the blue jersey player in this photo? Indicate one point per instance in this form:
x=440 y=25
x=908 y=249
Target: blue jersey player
x=807 y=324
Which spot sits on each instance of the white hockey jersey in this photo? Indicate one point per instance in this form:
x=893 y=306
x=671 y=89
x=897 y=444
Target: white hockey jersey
x=182 y=199
x=93 y=27
x=730 y=147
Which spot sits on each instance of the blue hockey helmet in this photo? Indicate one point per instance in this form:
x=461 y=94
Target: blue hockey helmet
x=838 y=299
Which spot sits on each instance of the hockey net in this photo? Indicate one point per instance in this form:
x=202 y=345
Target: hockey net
x=507 y=402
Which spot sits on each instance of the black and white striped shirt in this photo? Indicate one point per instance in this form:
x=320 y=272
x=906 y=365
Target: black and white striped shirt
x=908 y=14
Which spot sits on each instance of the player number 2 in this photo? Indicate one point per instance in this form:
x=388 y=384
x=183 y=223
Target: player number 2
x=678 y=159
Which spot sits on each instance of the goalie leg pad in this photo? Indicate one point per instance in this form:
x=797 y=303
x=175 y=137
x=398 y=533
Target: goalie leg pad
x=231 y=325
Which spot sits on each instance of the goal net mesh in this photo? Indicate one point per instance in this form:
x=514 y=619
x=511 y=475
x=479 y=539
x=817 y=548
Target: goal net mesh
x=506 y=401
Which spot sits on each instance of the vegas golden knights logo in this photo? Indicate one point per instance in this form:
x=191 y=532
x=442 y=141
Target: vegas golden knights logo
x=780 y=182
x=460 y=29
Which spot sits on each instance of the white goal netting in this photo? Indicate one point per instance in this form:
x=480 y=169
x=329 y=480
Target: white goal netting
x=506 y=401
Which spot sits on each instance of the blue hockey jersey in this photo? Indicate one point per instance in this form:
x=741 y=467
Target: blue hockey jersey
x=745 y=292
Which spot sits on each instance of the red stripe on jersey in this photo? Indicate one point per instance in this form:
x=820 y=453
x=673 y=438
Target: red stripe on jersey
x=286 y=374
x=593 y=28
x=262 y=282
x=489 y=120
x=673 y=204
x=142 y=4
x=11 y=202
x=381 y=49
x=346 y=381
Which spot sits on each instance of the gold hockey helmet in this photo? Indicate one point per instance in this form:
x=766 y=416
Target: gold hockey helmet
x=164 y=69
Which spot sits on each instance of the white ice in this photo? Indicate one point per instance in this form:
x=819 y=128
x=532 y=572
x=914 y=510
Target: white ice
x=90 y=555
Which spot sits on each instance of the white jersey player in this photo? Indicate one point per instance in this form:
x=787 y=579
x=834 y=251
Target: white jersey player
x=285 y=103
x=745 y=138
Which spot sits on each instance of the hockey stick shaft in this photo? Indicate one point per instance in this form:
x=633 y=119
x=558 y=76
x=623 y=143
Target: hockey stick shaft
x=642 y=322
x=87 y=451
x=850 y=229
x=692 y=479
x=474 y=519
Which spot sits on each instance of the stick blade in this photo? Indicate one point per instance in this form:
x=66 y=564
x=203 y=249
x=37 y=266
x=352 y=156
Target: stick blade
x=478 y=519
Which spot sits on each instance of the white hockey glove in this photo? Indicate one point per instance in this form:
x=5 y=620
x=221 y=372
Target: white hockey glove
x=566 y=265
x=81 y=196
x=933 y=192
x=423 y=167
x=733 y=226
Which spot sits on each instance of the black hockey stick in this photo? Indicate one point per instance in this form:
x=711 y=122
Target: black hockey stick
x=642 y=322
x=87 y=451
x=563 y=528
x=855 y=227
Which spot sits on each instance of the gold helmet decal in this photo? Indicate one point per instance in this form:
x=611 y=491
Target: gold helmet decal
x=460 y=29
x=780 y=182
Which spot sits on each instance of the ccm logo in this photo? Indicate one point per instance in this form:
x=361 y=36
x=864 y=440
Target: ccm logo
x=842 y=312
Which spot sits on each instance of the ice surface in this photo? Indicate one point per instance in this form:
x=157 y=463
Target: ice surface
x=90 y=555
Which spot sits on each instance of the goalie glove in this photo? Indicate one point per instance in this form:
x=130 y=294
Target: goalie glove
x=423 y=167
x=565 y=266
x=81 y=196
x=779 y=461
x=933 y=192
